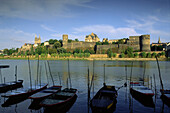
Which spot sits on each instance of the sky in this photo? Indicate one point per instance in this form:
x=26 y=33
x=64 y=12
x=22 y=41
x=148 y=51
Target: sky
x=20 y=20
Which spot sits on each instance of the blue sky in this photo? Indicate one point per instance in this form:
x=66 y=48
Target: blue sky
x=20 y=20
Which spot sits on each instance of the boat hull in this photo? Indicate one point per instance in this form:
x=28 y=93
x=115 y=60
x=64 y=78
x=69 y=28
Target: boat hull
x=10 y=86
x=104 y=101
x=140 y=95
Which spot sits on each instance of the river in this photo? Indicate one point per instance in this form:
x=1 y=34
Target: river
x=115 y=75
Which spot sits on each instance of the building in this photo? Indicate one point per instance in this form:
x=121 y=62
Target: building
x=46 y=43
x=105 y=39
x=92 y=38
x=37 y=41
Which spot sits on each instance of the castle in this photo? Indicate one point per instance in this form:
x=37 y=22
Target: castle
x=27 y=46
x=92 y=38
x=138 y=43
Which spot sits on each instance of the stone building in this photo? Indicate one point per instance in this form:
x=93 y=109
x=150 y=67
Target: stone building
x=105 y=39
x=92 y=38
x=139 y=43
x=37 y=41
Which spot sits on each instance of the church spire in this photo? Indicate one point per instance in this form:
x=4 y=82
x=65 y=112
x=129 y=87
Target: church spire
x=159 y=41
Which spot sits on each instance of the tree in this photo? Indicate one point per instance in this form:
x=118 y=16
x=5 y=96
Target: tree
x=87 y=51
x=69 y=40
x=98 y=43
x=38 y=50
x=149 y=55
x=57 y=45
x=129 y=52
x=32 y=50
x=76 y=40
x=153 y=54
x=136 y=55
x=114 y=54
x=6 y=51
x=122 y=55
x=77 y=50
x=106 y=42
x=61 y=50
x=51 y=41
x=143 y=55
x=52 y=50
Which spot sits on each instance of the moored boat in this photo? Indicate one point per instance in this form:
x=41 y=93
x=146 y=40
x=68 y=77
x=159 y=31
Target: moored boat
x=138 y=90
x=10 y=85
x=104 y=100
x=24 y=93
x=61 y=100
x=46 y=92
x=166 y=96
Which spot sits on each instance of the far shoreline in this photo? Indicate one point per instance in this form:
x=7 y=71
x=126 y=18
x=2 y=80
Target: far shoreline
x=90 y=59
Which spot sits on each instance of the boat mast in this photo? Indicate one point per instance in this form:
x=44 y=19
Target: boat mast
x=16 y=73
x=50 y=73
x=37 y=68
x=144 y=72
x=29 y=72
x=46 y=72
x=159 y=73
x=69 y=74
x=104 y=73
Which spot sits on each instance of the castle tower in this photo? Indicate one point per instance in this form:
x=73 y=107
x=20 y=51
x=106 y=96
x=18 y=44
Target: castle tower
x=65 y=40
x=37 y=40
x=145 y=43
x=159 y=41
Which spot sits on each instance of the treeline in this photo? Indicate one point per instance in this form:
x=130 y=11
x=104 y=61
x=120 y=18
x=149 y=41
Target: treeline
x=129 y=53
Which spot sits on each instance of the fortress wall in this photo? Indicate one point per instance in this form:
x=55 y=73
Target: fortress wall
x=134 y=42
x=81 y=45
x=145 y=43
x=101 y=48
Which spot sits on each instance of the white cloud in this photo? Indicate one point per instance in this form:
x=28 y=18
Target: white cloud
x=39 y=9
x=107 y=31
x=147 y=26
x=14 y=38
x=47 y=28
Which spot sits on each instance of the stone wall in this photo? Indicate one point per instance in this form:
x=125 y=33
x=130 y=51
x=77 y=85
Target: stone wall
x=81 y=45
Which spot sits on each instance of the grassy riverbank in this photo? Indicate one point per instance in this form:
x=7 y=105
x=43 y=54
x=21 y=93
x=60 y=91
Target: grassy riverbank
x=116 y=59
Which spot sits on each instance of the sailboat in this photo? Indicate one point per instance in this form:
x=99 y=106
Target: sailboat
x=105 y=99
x=4 y=87
x=165 y=93
x=62 y=100
x=139 y=90
x=25 y=93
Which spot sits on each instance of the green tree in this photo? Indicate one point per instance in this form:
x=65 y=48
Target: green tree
x=57 y=45
x=122 y=55
x=162 y=53
x=105 y=43
x=98 y=43
x=69 y=40
x=136 y=55
x=153 y=54
x=52 y=50
x=61 y=50
x=38 y=50
x=42 y=55
x=76 y=40
x=129 y=52
x=6 y=51
x=143 y=54
x=149 y=55
x=114 y=54
x=75 y=54
x=77 y=50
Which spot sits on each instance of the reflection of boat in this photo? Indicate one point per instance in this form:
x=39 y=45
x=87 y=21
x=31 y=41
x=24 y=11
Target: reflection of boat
x=60 y=101
x=140 y=91
x=25 y=93
x=166 y=97
x=104 y=100
x=12 y=101
x=10 y=85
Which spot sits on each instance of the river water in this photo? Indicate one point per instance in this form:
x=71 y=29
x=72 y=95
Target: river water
x=115 y=75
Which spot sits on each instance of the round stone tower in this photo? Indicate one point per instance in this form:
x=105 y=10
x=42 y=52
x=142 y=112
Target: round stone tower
x=65 y=40
x=145 y=42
